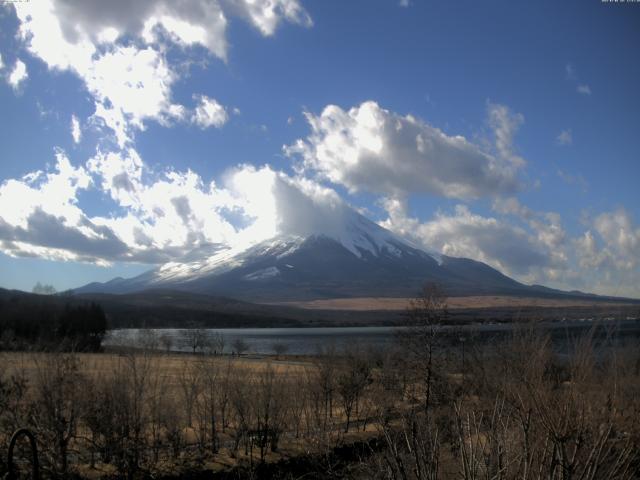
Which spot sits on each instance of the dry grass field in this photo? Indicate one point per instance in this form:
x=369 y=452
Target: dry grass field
x=453 y=303
x=174 y=400
x=415 y=411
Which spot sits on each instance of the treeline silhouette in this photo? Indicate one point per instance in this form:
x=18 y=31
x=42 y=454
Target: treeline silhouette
x=41 y=322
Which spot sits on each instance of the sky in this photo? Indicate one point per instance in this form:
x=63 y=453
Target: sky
x=138 y=133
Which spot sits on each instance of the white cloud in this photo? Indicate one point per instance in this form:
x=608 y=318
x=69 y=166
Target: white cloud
x=1 y=62
x=131 y=85
x=404 y=3
x=545 y=227
x=155 y=218
x=18 y=75
x=609 y=254
x=505 y=124
x=119 y=50
x=209 y=113
x=604 y=259
x=54 y=192
x=372 y=149
x=511 y=249
x=76 y=132
x=565 y=137
x=40 y=216
x=584 y=89
x=621 y=237
x=160 y=218
x=163 y=217
x=131 y=81
x=266 y=15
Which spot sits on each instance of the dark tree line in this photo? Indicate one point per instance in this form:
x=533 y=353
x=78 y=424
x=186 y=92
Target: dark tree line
x=36 y=322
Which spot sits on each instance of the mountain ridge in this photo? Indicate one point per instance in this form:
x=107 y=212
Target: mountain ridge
x=352 y=258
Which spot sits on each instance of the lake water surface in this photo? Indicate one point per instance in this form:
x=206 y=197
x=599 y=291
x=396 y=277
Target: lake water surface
x=304 y=341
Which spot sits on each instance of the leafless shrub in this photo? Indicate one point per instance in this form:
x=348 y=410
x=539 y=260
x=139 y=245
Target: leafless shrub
x=190 y=386
x=56 y=407
x=207 y=402
x=270 y=410
x=353 y=377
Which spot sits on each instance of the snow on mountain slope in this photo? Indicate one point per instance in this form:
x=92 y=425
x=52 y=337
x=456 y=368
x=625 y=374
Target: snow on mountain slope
x=359 y=235
x=304 y=244
x=320 y=248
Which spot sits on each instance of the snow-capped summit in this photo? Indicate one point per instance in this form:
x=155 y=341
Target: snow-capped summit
x=312 y=246
x=350 y=257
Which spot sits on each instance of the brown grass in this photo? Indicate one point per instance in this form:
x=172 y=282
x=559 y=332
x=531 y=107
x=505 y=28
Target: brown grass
x=489 y=301
x=97 y=364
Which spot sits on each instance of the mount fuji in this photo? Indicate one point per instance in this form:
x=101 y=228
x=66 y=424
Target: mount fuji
x=349 y=257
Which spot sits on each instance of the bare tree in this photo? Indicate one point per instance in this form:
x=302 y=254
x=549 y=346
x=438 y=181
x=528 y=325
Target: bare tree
x=148 y=339
x=209 y=374
x=418 y=340
x=325 y=380
x=194 y=338
x=14 y=391
x=239 y=346
x=218 y=342
x=189 y=382
x=58 y=389
x=279 y=349
x=269 y=408
x=353 y=378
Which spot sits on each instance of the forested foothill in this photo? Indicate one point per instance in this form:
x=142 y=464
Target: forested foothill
x=30 y=321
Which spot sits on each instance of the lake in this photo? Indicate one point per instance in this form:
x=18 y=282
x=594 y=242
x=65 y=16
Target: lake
x=304 y=341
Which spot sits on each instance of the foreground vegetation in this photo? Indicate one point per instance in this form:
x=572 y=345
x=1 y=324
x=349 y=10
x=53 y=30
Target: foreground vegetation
x=417 y=411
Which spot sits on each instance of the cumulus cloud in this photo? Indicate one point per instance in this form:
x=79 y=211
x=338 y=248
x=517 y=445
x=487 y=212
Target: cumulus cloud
x=131 y=85
x=511 y=249
x=18 y=75
x=369 y=148
x=266 y=15
x=209 y=113
x=545 y=227
x=155 y=218
x=172 y=216
x=609 y=253
x=532 y=246
x=76 y=132
x=620 y=236
x=565 y=137
x=41 y=210
x=189 y=22
x=131 y=81
x=40 y=214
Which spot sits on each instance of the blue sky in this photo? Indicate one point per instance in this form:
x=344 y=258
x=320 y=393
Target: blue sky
x=501 y=131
